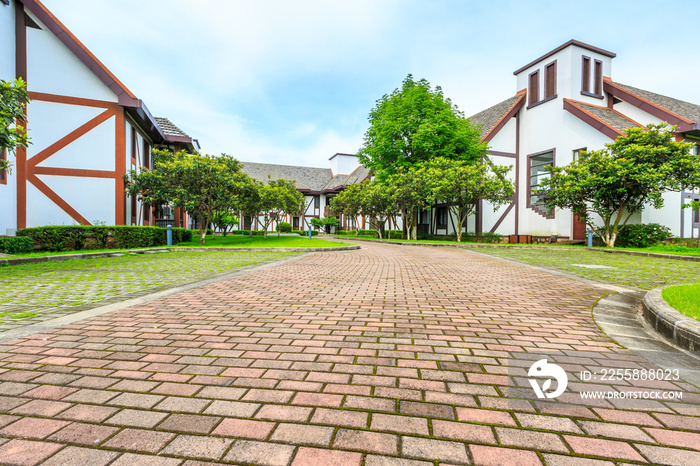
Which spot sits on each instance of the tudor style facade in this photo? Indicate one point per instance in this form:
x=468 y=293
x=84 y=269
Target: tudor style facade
x=566 y=102
x=86 y=129
x=318 y=185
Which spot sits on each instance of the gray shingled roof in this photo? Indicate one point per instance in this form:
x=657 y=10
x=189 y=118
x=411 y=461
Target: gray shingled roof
x=610 y=117
x=169 y=128
x=680 y=107
x=306 y=178
x=492 y=115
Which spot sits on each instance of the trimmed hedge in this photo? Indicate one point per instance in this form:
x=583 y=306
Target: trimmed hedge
x=284 y=227
x=76 y=238
x=642 y=235
x=16 y=245
x=306 y=233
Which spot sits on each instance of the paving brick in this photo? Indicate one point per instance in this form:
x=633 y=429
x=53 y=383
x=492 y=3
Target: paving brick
x=136 y=418
x=197 y=446
x=71 y=456
x=600 y=447
x=88 y=395
x=615 y=431
x=133 y=459
x=426 y=409
x=485 y=416
x=373 y=442
x=83 y=434
x=284 y=413
x=260 y=453
x=244 y=428
x=136 y=400
x=232 y=408
x=430 y=449
x=561 y=460
x=182 y=404
x=530 y=439
x=399 y=424
x=41 y=408
x=557 y=424
x=318 y=457
x=668 y=456
x=268 y=396
x=674 y=438
x=301 y=434
x=139 y=440
x=49 y=392
x=190 y=424
x=340 y=417
x=471 y=433
x=496 y=456
x=30 y=427
x=378 y=460
x=27 y=452
x=317 y=399
x=88 y=413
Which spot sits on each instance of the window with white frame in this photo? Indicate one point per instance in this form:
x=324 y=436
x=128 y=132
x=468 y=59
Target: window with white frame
x=539 y=169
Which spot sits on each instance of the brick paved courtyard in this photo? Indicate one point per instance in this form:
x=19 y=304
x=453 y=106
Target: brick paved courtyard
x=390 y=355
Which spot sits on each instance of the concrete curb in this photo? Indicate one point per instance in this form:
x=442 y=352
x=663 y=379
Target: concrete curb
x=677 y=328
x=524 y=246
x=97 y=255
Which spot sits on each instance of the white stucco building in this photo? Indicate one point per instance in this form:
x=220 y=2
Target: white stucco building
x=86 y=129
x=566 y=101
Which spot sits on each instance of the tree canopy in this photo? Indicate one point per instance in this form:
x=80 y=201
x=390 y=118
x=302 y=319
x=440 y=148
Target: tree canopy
x=201 y=184
x=414 y=124
x=460 y=185
x=13 y=101
x=616 y=182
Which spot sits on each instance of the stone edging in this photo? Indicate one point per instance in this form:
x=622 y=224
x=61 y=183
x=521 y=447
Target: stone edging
x=528 y=246
x=97 y=255
x=677 y=328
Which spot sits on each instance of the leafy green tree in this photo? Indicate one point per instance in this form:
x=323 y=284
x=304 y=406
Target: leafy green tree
x=378 y=203
x=201 y=184
x=323 y=223
x=461 y=185
x=412 y=193
x=13 y=102
x=616 y=182
x=224 y=221
x=349 y=203
x=415 y=124
x=276 y=198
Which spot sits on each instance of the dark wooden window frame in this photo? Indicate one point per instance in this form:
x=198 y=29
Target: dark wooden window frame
x=598 y=78
x=576 y=153
x=441 y=212
x=146 y=162
x=585 y=75
x=317 y=202
x=535 y=207
x=533 y=89
x=134 y=138
x=550 y=90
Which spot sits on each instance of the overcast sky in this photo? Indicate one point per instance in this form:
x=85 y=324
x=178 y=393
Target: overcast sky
x=292 y=82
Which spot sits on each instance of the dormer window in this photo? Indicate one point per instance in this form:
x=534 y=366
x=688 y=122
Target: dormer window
x=550 y=85
x=550 y=80
x=597 y=78
x=534 y=88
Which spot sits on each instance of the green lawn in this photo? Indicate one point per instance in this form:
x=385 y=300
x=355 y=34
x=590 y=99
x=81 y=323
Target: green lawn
x=621 y=269
x=684 y=298
x=47 y=289
x=63 y=253
x=272 y=241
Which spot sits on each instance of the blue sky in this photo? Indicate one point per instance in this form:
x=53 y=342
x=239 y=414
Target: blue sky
x=293 y=82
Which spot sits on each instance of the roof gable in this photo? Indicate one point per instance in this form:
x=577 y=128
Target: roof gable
x=494 y=118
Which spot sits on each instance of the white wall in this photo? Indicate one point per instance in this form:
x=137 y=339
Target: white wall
x=8 y=192
x=343 y=164
x=52 y=68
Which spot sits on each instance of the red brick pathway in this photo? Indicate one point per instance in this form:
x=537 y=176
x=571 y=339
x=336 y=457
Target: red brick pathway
x=391 y=355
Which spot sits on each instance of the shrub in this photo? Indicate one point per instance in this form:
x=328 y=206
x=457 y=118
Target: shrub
x=394 y=234
x=486 y=237
x=76 y=238
x=368 y=232
x=284 y=227
x=16 y=245
x=344 y=232
x=642 y=235
x=306 y=233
